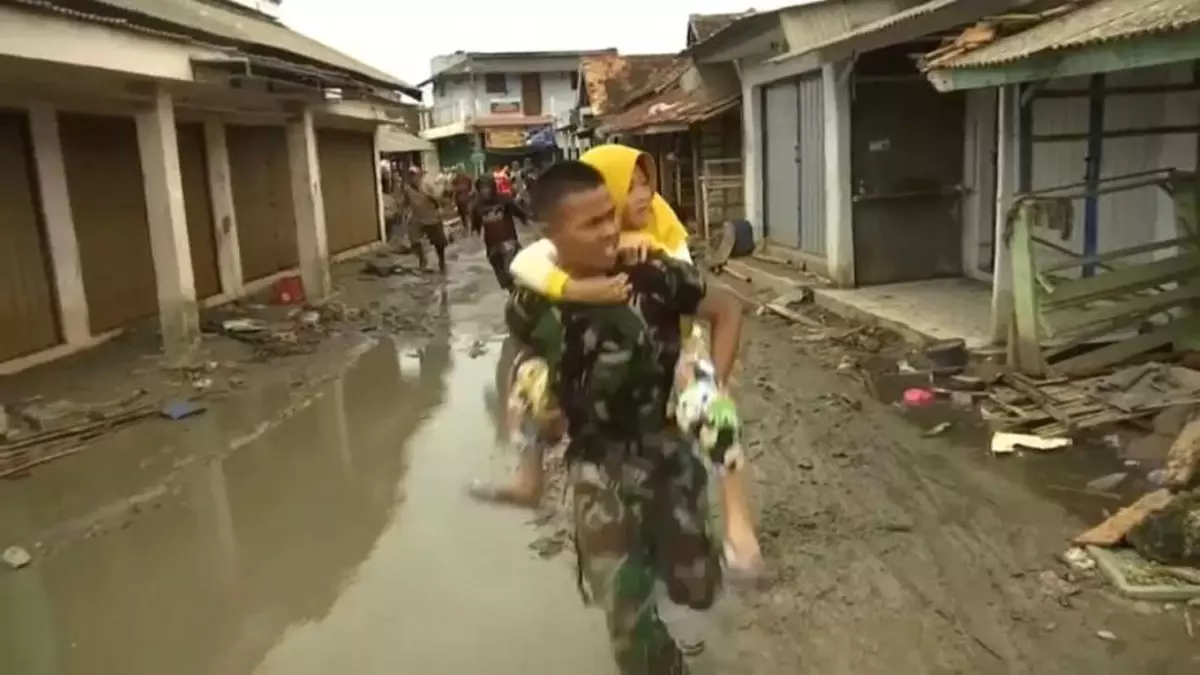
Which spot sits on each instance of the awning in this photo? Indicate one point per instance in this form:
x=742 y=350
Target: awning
x=1099 y=37
x=392 y=139
x=924 y=19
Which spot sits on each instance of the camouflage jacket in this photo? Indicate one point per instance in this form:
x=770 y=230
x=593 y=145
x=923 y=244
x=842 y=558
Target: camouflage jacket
x=612 y=367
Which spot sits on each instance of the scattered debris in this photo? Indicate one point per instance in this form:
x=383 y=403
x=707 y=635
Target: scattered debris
x=1078 y=559
x=1106 y=483
x=1106 y=635
x=478 y=349
x=1135 y=577
x=16 y=557
x=1055 y=586
x=178 y=410
x=1183 y=458
x=918 y=398
x=1004 y=442
x=1112 y=531
x=938 y=429
x=1170 y=535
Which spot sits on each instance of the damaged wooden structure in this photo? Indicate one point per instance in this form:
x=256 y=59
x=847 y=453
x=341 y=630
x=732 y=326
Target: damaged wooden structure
x=1077 y=314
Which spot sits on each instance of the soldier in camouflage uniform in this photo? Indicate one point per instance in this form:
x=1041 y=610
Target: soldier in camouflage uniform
x=640 y=502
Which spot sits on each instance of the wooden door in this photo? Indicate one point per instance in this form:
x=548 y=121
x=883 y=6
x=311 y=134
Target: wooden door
x=531 y=94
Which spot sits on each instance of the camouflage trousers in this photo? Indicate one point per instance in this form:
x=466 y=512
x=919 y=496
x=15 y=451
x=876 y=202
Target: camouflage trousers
x=639 y=519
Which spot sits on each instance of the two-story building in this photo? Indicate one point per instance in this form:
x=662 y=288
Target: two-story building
x=485 y=104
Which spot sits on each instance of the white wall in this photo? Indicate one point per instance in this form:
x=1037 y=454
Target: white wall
x=1125 y=218
x=458 y=99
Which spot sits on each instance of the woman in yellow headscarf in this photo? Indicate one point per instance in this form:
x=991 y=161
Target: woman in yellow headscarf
x=648 y=222
x=646 y=219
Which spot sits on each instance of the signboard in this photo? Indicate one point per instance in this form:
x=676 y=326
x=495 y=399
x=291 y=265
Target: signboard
x=504 y=138
x=510 y=107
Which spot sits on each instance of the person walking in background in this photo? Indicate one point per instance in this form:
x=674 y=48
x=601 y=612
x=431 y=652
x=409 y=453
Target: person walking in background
x=503 y=180
x=422 y=203
x=494 y=216
x=463 y=193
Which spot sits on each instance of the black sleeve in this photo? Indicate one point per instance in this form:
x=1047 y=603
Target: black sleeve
x=516 y=212
x=682 y=284
x=476 y=218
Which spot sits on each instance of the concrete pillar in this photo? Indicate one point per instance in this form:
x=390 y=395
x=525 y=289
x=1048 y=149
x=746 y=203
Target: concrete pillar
x=159 y=150
x=1007 y=181
x=839 y=214
x=309 y=204
x=60 y=224
x=378 y=157
x=752 y=157
x=220 y=190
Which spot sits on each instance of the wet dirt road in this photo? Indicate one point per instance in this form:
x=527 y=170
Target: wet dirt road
x=337 y=539
x=325 y=529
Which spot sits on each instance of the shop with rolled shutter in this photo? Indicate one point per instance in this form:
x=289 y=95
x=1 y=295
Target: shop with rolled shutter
x=108 y=202
x=262 y=199
x=348 y=187
x=28 y=308
x=193 y=169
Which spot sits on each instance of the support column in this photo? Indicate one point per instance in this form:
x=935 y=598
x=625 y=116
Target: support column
x=60 y=224
x=1008 y=177
x=839 y=207
x=752 y=157
x=377 y=156
x=220 y=190
x=159 y=150
x=309 y=204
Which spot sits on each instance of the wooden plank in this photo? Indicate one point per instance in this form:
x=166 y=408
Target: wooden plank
x=1099 y=260
x=1125 y=280
x=1113 y=530
x=1098 y=359
x=1104 y=57
x=1025 y=339
x=1136 y=309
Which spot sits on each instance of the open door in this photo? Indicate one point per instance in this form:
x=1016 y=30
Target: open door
x=907 y=177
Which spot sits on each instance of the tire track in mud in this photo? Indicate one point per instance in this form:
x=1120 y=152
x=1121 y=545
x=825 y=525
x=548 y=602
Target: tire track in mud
x=896 y=553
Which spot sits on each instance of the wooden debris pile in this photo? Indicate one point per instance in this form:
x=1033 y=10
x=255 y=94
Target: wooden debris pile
x=1066 y=407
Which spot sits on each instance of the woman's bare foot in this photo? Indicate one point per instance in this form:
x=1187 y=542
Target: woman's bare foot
x=743 y=557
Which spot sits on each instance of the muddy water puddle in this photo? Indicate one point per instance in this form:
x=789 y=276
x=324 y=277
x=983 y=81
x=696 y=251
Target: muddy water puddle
x=340 y=539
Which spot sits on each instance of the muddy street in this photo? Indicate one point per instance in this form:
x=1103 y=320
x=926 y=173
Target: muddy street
x=324 y=528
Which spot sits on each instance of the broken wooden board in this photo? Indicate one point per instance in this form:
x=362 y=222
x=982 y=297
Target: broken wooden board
x=1183 y=458
x=1112 y=531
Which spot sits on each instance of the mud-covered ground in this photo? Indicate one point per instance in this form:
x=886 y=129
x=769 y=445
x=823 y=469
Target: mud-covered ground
x=314 y=520
x=893 y=552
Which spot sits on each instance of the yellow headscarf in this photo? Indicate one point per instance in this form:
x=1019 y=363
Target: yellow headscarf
x=616 y=163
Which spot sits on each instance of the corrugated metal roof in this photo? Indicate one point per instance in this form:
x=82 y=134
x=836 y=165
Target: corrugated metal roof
x=705 y=26
x=230 y=24
x=612 y=79
x=1100 y=21
x=671 y=107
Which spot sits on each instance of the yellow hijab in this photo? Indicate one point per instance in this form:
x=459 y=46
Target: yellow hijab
x=616 y=163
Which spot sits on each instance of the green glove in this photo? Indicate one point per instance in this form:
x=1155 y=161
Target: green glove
x=722 y=433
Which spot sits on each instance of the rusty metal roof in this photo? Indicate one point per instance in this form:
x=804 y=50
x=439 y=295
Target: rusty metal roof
x=230 y=24
x=611 y=79
x=1087 y=24
x=670 y=107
